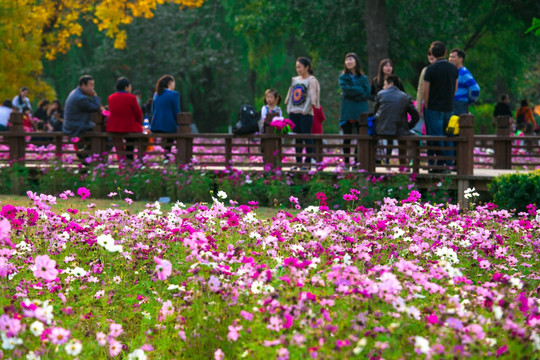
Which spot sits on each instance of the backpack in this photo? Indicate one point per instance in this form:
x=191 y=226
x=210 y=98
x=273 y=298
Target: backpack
x=453 y=126
x=371 y=126
x=247 y=123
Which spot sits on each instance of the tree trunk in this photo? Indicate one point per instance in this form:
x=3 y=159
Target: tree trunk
x=376 y=33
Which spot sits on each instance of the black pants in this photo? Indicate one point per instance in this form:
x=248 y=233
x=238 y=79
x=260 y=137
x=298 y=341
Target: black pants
x=302 y=125
x=349 y=128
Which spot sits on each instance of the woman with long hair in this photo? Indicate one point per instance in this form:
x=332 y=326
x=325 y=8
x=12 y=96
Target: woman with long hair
x=386 y=67
x=355 y=92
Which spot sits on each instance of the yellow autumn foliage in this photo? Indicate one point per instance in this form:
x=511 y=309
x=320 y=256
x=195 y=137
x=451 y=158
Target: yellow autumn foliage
x=32 y=30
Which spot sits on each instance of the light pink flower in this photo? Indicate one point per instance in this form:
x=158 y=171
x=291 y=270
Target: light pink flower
x=219 y=355
x=233 y=334
x=167 y=309
x=115 y=347
x=101 y=338
x=115 y=330
x=45 y=268
x=246 y=315
x=59 y=336
x=163 y=268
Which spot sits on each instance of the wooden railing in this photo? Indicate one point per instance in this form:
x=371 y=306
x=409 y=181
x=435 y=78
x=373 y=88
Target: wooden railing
x=279 y=150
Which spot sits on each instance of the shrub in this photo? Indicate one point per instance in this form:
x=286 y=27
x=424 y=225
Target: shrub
x=516 y=191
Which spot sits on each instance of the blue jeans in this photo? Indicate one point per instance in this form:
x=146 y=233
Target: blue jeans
x=460 y=107
x=436 y=123
x=302 y=125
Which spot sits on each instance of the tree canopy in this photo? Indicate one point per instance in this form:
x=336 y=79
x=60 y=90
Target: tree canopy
x=33 y=30
x=227 y=52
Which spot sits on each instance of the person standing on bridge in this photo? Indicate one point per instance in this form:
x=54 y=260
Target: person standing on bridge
x=440 y=85
x=165 y=108
x=468 y=89
x=302 y=97
x=355 y=92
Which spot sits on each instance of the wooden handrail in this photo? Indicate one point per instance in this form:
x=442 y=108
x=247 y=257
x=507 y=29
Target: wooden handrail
x=272 y=148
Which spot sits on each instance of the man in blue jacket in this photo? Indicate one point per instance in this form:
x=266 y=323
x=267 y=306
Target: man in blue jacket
x=81 y=103
x=468 y=89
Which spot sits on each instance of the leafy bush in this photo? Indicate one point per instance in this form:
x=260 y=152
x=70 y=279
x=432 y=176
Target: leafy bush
x=483 y=118
x=516 y=191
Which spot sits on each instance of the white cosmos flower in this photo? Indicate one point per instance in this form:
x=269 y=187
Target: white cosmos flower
x=137 y=355
x=222 y=194
x=73 y=347
x=256 y=287
x=9 y=343
x=37 y=328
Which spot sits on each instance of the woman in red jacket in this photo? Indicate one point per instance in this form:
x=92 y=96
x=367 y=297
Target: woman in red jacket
x=126 y=116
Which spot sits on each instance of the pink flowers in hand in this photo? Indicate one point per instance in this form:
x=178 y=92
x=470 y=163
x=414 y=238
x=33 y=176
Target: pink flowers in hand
x=163 y=268
x=281 y=124
x=45 y=268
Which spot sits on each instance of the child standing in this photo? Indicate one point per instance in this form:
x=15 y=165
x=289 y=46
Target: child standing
x=271 y=101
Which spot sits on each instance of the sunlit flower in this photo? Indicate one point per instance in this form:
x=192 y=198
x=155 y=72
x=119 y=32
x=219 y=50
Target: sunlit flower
x=45 y=268
x=163 y=268
x=73 y=347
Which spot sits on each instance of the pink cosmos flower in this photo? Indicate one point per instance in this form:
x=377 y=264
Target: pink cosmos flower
x=59 y=336
x=246 y=315
x=115 y=330
x=167 y=309
x=115 y=347
x=5 y=229
x=83 y=192
x=432 y=318
x=293 y=199
x=129 y=201
x=282 y=354
x=45 y=268
x=233 y=334
x=219 y=355
x=101 y=338
x=163 y=268
x=5 y=267
x=214 y=283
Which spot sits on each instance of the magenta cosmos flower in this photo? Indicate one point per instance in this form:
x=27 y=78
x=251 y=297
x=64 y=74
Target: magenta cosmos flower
x=83 y=192
x=163 y=268
x=45 y=268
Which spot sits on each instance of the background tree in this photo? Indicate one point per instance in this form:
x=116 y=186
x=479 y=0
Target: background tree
x=35 y=29
x=227 y=52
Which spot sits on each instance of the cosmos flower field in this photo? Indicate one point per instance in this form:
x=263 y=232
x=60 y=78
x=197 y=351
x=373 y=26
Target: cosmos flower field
x=405 y=280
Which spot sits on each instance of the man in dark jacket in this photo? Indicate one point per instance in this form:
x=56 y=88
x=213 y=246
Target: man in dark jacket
x=391 y=109
x=81 y=103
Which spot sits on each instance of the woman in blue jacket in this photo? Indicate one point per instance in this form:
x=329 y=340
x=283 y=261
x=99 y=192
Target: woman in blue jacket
x=166 y=106
x=355 y=92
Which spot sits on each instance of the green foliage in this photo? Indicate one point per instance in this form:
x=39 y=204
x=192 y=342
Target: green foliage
x=14 y=179
x=516 y=191
x=483 y=118
x=271 y=189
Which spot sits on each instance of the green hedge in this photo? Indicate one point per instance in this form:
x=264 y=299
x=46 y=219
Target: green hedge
x=516 y=191
x=273 y=188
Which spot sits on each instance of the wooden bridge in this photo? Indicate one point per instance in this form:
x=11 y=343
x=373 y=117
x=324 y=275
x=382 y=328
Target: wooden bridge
x=495 y=154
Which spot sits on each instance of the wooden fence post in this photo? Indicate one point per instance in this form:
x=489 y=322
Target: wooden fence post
x=184 y=145
x=98 y=144
x=365 y=149
x=17 y=143
x=271 y=149
x=465 y=149
x=502 y=144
